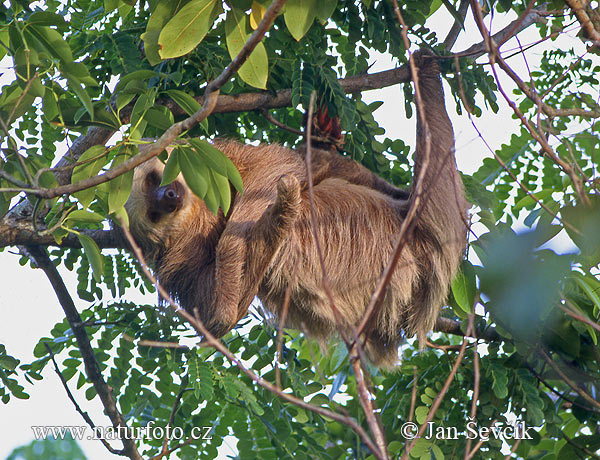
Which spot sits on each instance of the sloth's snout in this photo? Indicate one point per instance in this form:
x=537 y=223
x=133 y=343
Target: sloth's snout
x=169 y=197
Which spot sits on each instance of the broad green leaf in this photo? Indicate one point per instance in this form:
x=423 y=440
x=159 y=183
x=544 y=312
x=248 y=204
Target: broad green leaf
x=223 y=187
x=186 y=29
x=46 y=18
x=211 y=200
x=255 y=70
x=123 y=99
x=160 y=16
x=194 y=171
x=119 y=188
x=121 y=217
x=299 y=16
x=215 y=159
x=85 y=217
x=185 y=101
x=464 y=288
x=139 y=75
x=83 y=96
x=172 y=168
x=110 y=5
x=93 y=255
x=141 y=106
x=53 y=41
x=4 y=41
x=161 y=119
x=324 y=9
x=234 y=176
x=529 y=199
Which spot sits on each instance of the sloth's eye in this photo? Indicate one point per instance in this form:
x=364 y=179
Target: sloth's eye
x=152 y=180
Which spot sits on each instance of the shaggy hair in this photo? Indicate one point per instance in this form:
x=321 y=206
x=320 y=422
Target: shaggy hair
x=215 y=264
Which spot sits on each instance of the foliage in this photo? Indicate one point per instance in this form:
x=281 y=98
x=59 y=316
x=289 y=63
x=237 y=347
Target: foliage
x=114 y=63
x=50 y=448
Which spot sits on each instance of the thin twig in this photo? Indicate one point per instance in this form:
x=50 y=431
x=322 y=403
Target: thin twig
x=567 y=380
x=475 y=398
x=438 y=399
x=513 y=450
x=413 y=395
x=573 y=314
x=496 y=58
x=85 y=415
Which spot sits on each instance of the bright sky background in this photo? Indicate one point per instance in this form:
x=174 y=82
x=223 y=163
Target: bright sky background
x=30 y=309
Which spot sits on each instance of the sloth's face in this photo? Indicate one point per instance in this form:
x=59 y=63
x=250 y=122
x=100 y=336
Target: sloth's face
x=161 y=200
x=155 y=211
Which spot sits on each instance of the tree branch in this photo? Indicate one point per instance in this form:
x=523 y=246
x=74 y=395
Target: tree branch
x=449 y=326
x=92 y=368
x=83 y=414
x=457 y=26
x=535 y=15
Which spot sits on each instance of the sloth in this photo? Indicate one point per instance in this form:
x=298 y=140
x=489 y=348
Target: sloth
x=214 y=265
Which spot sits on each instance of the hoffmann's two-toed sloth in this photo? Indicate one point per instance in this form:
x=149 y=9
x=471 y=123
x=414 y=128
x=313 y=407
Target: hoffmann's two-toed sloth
x=214 y=265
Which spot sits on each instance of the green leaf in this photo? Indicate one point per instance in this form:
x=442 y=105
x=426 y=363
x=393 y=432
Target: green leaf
x=255 y=71
x=141 y=106
x=93 y=159
x=172 y=169
x=160 y=16
x=234 y=176
x=222 y=186
x=185 y=101
x=119 y=188
x=194 y=171
x=324 y=9
x=3 y=39
x=8 y=362
x=215 y=159
x=186 y=29
x=53 y=41
x=211 y=200
x=299 y=16
x=93 y=255
x=138 y=75
x=159 y=118
x=83 y=96
x=85 y=217
x=464 y=288
x=529 y=199
x=421 y=413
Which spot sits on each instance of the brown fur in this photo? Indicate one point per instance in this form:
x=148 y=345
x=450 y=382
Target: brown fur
x=215 y=265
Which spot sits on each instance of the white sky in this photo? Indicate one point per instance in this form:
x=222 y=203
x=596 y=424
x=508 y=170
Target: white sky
x=30 y=309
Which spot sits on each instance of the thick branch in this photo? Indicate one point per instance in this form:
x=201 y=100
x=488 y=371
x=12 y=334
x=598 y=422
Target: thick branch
x=535 y=15
x=579 y=9
x=92 y=367
x=457 y=26
x=14 y=232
